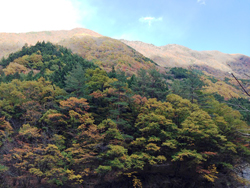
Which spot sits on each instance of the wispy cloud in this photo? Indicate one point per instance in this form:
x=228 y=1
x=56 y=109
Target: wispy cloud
x=202 y=2
x=149 y=20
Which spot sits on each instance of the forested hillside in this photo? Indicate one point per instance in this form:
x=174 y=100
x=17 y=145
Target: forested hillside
x=104 y=51
x=130 y=55
x=108 y=52
x=66 y=122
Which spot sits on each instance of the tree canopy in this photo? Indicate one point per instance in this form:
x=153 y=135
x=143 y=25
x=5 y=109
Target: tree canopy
x=66 y=122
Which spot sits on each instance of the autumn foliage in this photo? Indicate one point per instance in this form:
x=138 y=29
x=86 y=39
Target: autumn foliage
x=110 y=130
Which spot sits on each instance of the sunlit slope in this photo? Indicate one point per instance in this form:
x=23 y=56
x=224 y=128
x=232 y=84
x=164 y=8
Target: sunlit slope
x=108 y=53
x=104 y=51
x=12 y=42
x=213 y=62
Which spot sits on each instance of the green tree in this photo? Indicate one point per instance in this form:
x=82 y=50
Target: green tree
x=150 y=84
x=75 y=82
x=190 y=88
x=97 y=79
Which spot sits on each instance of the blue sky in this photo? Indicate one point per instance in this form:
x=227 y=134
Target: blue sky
x=222 y=25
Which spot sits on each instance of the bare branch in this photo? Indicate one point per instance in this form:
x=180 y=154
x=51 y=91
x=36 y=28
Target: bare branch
x=244 y=134
x=238 y=105
x=247 y=75
x=242 y=87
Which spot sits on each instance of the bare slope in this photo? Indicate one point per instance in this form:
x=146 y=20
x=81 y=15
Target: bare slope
x=212 y=62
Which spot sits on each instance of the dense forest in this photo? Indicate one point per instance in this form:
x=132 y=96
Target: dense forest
x=65 y=122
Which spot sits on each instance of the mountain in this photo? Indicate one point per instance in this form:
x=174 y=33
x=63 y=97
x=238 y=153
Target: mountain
x=212 y=62
x=64 y=122
x=108 y=53
x=130 y=55
x=11 y=42
x=104 y=51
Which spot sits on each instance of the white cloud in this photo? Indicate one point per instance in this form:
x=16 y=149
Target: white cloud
x=202 y=2
x=38 y=15
x=149 y=20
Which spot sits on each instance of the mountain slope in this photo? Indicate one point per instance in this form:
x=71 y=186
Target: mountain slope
x=11 y=42
x=104 y=51
x=212 y=62
x=108 y=53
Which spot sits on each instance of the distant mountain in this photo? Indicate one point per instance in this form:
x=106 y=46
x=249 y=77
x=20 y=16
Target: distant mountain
x=130 y=55
x=213 y=62
x=11 y=42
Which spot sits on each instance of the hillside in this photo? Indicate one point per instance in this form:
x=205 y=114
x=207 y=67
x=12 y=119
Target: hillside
x=11 y=42
x=130 y=56
x=64 y=122
x=107 y=53
x=212 y=62
x=104 y=51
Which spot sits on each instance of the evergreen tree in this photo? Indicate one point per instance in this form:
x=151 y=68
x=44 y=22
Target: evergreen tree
x=190 y=88
x=112 y=74
x=150 y=84
x=119 y=103
x=157 y=87
x=75 y=82
x=192 y=85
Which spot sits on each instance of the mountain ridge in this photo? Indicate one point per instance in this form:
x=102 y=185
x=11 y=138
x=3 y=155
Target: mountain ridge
x=11 y=42
x=104 y=51
x=212 y=62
